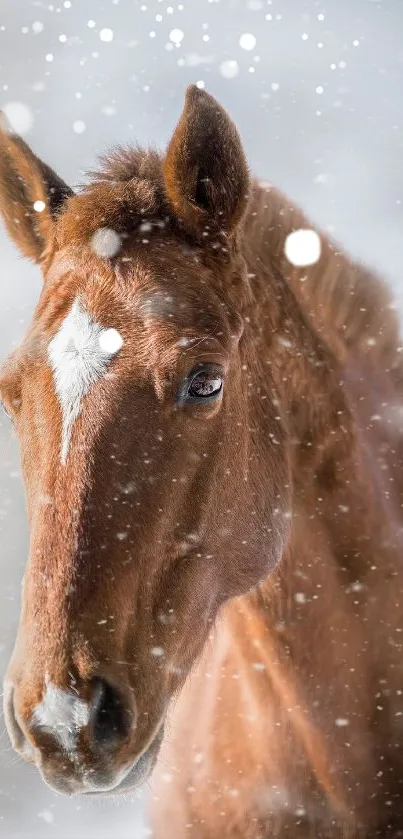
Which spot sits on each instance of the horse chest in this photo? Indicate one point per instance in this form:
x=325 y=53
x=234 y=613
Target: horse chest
x=241 y=766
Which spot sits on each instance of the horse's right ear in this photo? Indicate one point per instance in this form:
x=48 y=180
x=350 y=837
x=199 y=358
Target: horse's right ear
x=31 y=194
x=205 y=170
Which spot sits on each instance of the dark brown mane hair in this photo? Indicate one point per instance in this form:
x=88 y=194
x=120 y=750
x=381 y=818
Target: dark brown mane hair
x=350 y=306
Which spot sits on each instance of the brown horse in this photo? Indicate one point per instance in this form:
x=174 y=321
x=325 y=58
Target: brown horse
x=210 y=422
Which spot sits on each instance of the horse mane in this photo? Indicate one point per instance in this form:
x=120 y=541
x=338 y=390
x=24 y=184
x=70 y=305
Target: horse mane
x=355 y=303
x=349 y=304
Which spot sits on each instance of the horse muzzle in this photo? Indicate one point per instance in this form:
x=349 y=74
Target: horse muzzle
x=83 y=742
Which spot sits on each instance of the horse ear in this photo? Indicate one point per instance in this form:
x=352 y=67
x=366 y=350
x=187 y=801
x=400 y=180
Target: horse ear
x=31 y=194
x=205 y=170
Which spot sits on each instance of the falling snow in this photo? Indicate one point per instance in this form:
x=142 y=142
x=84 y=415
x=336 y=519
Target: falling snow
x=47 y=816
x=303 y=247
x=106 y=242
x=247 y=41
x=20 y=117
x=111 y=341
x=194 y=59
x=69 y=85
x=79 y=126
x=176 y=36
x=106 y=35
x=229 y=69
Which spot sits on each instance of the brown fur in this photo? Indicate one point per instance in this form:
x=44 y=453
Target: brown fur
x=262 y=535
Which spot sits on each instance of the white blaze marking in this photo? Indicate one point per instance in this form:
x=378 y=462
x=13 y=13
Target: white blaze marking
x=64 y=714
x=79 y=355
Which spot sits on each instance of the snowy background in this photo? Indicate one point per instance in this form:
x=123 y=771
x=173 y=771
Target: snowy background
x=316 y=90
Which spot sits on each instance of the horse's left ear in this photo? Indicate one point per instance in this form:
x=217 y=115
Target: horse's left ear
x=31 y=194
x=205 y=170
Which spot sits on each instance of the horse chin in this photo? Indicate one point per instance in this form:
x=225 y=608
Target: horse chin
x=138 y=773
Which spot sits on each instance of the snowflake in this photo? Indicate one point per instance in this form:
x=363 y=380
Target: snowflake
x=303 y=247
x=78 y=126
x=111 y=341
x=176 y=36
x=229 y=69
x=106 y=35
x=106 y=242
x=20 y=116
x=247 y=41
x=47 y=816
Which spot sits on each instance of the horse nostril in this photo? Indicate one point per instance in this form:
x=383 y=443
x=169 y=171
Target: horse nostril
x=110 y=717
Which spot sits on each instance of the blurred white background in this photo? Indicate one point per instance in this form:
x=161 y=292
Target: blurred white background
x=318 y=101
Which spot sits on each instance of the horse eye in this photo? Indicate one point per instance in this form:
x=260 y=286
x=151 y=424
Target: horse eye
x=205 y=385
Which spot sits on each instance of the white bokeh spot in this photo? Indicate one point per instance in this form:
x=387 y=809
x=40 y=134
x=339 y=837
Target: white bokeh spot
x=229 y=69
x=106 y=35
x=176 y=36
x=19 y=116
x=106 y=242
x=303 y=247
x=79 y=126
x=110 y=341
x=247 y=41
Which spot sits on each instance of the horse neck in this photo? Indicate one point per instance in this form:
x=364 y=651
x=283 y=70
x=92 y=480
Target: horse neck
x=295 y=626
x=303 y=369
x=296 y=363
